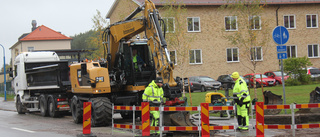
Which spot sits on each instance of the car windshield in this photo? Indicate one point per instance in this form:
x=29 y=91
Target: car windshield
x=263 y=76
x=278 y=73
x=207 y=79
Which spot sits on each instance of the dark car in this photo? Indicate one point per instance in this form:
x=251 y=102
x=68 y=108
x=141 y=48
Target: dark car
x=186 y=85
x=277 y=76
x=203 y=83
x=226 y=80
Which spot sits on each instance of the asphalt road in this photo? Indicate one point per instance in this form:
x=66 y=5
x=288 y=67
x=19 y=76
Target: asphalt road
x=33 y=124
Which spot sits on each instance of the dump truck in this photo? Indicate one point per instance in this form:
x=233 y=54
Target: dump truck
x=41 y=83
x=119 y=80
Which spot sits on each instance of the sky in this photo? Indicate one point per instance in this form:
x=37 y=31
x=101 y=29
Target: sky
x=69 y=17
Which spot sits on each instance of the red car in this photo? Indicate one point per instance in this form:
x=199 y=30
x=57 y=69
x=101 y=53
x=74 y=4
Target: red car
x=265 y=80
x=276 y=75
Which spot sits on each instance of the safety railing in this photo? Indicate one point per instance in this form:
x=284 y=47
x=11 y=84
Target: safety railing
x=203 y=125
x=260 y=126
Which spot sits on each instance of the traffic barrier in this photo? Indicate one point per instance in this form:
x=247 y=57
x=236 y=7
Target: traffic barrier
x=86 y=131
x=259 y=119
x=145 y=118
x=293 y=126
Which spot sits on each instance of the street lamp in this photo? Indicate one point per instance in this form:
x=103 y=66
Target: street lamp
x=4 y=72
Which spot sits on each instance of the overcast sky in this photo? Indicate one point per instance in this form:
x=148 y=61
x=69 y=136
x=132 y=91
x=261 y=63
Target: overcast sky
x=69 y=17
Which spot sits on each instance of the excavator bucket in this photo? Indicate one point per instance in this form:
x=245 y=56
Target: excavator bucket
x=177 y=118
x=315 y=96
x=272 y=99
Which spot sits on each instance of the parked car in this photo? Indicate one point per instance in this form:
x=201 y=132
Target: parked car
x=277 y=76
x=265 y=80
x=313 y=72
x=186 y=85
x=226 y=80
x=203 y=83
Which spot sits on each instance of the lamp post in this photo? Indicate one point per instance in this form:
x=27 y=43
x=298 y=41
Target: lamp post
x=4 y=72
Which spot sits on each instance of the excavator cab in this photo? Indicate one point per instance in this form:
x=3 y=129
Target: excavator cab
x=140 y=72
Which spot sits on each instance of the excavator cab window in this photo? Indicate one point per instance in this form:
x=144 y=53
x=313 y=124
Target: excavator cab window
x=138 y=72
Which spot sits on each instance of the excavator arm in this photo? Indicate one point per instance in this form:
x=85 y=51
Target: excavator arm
x=150 y=24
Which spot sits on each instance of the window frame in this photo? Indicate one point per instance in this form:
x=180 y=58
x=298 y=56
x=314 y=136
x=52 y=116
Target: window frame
x=294 y=21
x=233 y=54
x=166 y=22
x=29 y=49
x=313 y=51
x=256 y=53
x=311 y=20
x=252 y=17
x=193 y=24
x=289 y=53
x=194 y=50
x=175 y=56
x=225 y=27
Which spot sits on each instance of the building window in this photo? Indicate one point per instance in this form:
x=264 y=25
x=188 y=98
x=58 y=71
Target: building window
x=230 y=23
x=256 y=53
x=292 y=51
x=255 y=22
x=289 y=21
x=173 y=57
x=313 y=50
x=312 y=21
x=30 y=49
x=193 y=24
x=195 y=56
x=169 y=21
x=232 y=54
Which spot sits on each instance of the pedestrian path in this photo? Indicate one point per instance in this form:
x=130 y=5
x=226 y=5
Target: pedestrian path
x=7 y=105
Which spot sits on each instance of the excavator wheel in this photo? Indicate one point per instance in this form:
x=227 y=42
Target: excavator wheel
x=101 y=114
x=76 y=110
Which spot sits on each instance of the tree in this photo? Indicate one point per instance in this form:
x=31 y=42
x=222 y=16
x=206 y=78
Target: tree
x=250 y=33
x=297 y=69
x=7 y=67
x=81 y=41
x=96 y=39
x=174 y=17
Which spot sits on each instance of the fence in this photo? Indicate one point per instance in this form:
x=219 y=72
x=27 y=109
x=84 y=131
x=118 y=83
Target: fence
x=203 y=126
x=260 y=126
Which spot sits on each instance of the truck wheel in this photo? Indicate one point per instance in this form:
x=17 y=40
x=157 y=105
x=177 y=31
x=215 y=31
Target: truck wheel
x=43 y=105
x=101 y=112
x=76 y=110
x=52 y=105
x=20 y=108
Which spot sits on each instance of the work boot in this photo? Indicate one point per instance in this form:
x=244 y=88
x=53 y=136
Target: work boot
x=238 y=129
x=244 y=130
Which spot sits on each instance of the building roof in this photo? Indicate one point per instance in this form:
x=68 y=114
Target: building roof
x=44 y=33
x=221 y=2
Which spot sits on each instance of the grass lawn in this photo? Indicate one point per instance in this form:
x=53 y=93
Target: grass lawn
x=294 y=94
x=9 y=97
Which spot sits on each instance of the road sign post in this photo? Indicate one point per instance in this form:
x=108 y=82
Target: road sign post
x=280 y=36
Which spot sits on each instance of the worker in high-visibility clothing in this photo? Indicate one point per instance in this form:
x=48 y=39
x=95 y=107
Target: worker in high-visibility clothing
x=137 y=60
x=240 y=90
x=154 y=95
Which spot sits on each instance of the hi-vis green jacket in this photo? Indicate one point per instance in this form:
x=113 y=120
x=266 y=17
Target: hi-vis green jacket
x=153 y=93
x=240 y=90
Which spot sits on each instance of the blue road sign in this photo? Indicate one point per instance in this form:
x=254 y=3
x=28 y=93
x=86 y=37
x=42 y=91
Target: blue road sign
x=280 y=35
x=282 y=56
x=282 y=48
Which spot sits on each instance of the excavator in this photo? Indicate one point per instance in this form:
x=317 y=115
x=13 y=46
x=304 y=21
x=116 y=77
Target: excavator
x=119 y=80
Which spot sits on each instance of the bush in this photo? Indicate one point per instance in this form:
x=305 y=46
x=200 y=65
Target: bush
x=292 y=82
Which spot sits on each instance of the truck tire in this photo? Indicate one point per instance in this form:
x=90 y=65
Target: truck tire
x=101 y=112
x=76 y=110
x=20 y=108
x=52 y=105
x=43 y=106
